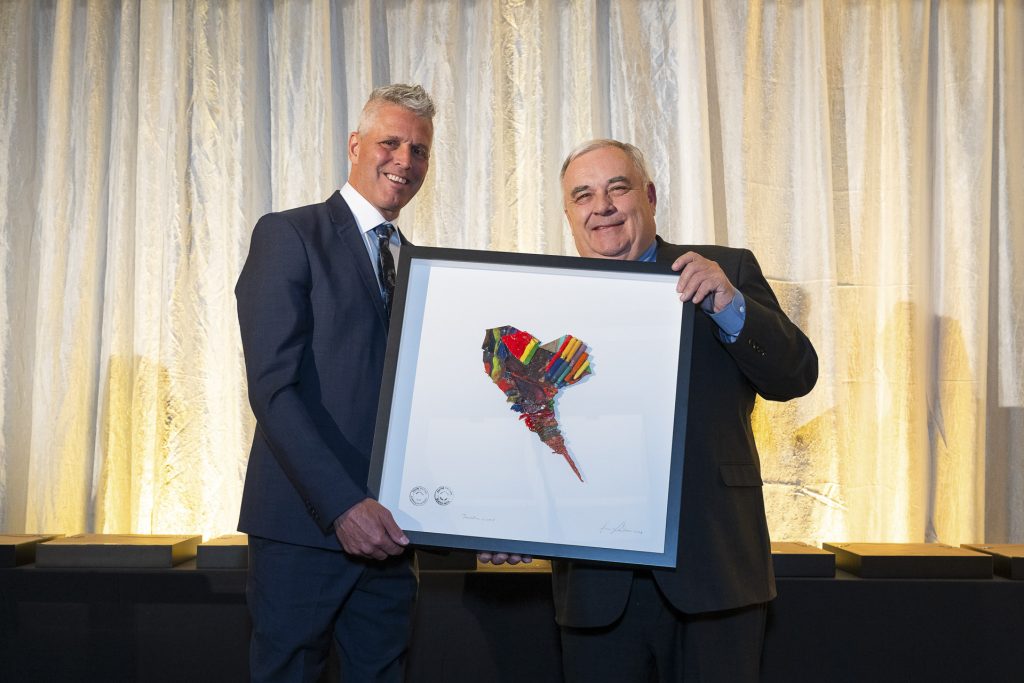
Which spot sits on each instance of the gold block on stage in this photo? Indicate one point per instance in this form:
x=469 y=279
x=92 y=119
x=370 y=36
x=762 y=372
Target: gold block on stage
x=1007 y=557
x=224 y=552
x=911 y=561
x=16 y=549
x=111 y=551
x=794 y=558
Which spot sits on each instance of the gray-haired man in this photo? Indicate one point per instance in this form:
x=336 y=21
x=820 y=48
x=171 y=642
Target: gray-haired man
x=325 y=559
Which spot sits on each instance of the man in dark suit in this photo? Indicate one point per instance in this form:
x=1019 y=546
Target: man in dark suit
x=325 y=559
x=705 y=619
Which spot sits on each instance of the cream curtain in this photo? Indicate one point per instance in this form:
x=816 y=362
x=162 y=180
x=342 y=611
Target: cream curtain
x=869 y=153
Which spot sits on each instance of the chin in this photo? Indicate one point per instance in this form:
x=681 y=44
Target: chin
x=394 y=204
x=617 y=251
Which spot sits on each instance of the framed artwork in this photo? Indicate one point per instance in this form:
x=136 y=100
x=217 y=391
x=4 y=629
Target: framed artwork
x=536 y=405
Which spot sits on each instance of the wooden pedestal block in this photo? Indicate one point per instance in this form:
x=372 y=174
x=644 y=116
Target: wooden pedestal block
x=16 y=549
x=1007 y=557
x=156 y=551
x=910 y=561
x=224 y=552
x=791 y=558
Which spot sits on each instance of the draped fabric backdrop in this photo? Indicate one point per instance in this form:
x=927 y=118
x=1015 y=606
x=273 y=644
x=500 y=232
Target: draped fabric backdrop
x=869 y=152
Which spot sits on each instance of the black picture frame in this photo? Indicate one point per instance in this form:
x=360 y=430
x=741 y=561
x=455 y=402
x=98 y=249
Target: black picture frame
x=430 y=432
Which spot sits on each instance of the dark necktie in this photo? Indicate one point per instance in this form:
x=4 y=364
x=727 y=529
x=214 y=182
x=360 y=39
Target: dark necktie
x=386 y=263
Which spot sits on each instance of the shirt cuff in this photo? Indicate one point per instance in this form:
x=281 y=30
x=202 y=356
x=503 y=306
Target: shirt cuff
x=730 y=319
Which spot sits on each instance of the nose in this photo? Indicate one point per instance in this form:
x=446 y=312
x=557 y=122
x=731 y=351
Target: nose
x=603 y=203
x=403 y=156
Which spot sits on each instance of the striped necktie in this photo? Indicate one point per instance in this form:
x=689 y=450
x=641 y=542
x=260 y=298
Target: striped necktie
x=386 y=263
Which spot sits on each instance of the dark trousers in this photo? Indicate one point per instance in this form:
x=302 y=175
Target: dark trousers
x=299 y=597
x=652 y=641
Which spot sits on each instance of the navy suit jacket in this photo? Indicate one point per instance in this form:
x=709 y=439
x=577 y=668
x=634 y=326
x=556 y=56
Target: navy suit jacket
x=724 y=553
x=314 y=333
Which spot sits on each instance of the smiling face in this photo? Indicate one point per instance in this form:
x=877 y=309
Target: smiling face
x=609 y=207
x=390 y=157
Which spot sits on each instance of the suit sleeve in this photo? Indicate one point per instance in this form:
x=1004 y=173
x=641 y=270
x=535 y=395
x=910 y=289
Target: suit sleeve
x=276 y=321
x=771 y=351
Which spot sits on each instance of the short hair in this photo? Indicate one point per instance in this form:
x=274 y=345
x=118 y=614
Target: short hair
x=411 y=97
x=632 y=151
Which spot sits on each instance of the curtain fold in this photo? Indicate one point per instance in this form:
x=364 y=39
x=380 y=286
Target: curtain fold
x=867 y=152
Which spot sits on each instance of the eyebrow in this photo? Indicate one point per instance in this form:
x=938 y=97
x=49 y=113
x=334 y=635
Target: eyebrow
x=580 y=188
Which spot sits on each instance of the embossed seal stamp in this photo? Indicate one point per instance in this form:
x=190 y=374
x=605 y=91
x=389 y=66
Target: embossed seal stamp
x=443 y=495
x=418 y=495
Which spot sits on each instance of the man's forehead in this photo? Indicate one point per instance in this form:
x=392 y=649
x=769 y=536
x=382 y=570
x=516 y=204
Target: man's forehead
x=602 y=164
x=395 y=120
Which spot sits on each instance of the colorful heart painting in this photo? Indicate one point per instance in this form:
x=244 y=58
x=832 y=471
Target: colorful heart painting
x=532 y=374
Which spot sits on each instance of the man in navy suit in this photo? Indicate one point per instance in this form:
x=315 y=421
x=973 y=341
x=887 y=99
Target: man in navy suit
x=325 y=559
x=705 y=619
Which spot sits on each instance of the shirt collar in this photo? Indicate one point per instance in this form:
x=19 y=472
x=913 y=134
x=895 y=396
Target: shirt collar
x=366 y=215
x=651 y=254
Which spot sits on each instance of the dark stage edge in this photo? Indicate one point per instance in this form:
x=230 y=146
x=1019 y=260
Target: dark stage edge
x=191 y=624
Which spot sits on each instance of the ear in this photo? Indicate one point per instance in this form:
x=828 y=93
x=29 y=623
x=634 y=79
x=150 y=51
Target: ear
x=652 y=197
x=353 y=146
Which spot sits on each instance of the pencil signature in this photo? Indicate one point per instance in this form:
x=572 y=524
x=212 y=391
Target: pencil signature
x=619 y=528
x=477 y=518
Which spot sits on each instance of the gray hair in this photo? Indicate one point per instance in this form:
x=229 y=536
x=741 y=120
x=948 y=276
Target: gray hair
x=633 y=152
x=411 y=97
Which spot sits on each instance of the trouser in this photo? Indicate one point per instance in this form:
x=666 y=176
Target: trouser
x=299 y=597
x=653 y=641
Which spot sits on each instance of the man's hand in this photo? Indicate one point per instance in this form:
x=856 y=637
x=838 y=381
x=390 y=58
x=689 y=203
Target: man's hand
x=700 y=278
x=368 y=530
x=501 y=558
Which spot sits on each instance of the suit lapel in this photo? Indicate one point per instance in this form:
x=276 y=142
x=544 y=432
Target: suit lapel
x=667 y=253
x=352 y=244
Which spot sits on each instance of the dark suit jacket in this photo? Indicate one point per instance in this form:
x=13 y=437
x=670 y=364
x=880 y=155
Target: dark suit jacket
x=724 y=556
x=314 y=333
